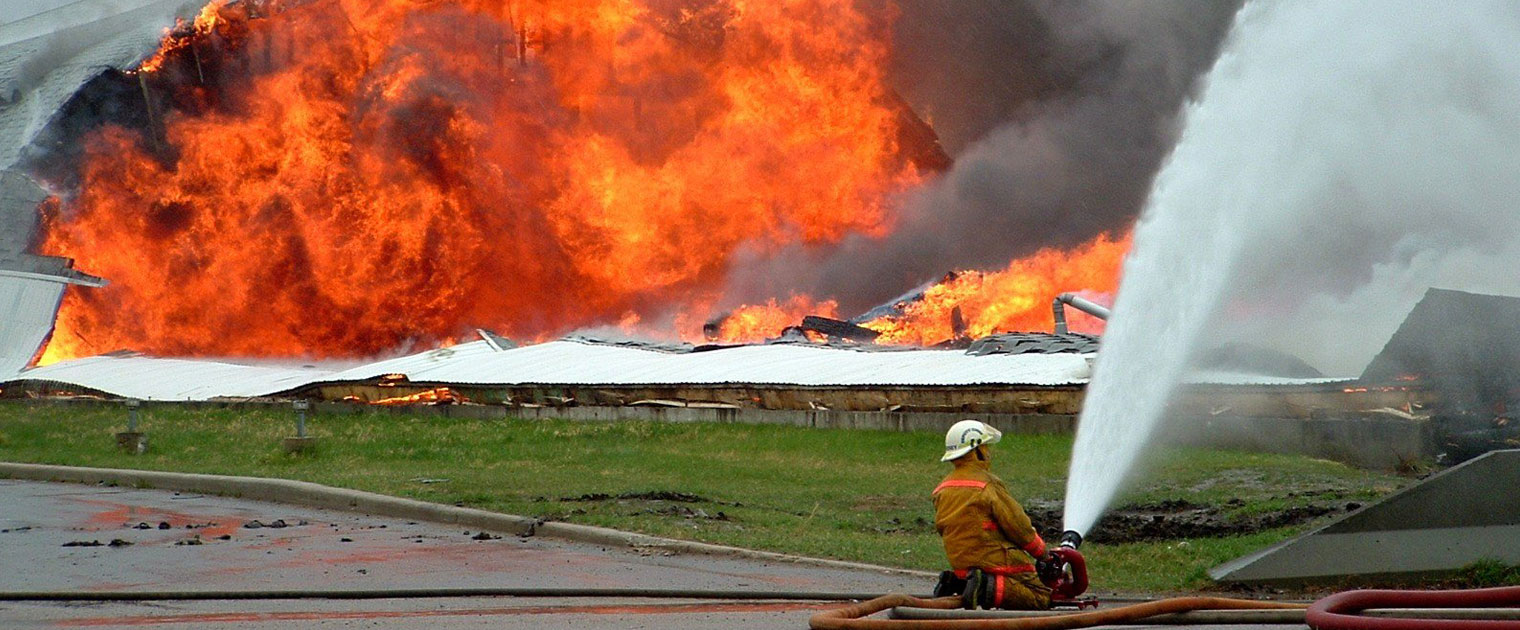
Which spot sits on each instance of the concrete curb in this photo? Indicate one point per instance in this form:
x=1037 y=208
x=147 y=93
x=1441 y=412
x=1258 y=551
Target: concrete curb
x=320 y=496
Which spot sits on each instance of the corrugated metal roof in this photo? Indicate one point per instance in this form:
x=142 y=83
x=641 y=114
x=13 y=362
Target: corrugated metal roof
x=1218 y=377
x=1034 y=342
x=150 y=378
x=27 y=307
x=573 y=363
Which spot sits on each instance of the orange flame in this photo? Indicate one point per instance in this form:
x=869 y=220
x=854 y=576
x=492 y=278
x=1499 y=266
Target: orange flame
x=437 y=395
x=353 y=177
x=751 y=323
x=179 y=37
x=1015 y=299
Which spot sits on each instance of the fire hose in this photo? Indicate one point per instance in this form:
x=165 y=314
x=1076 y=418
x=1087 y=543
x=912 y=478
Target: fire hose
x=853 y=617
x=1336 y=612
x=1069 y=580
x=1339 y=611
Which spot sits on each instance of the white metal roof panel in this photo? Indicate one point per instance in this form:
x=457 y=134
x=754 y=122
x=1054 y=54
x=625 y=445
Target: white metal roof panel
x=1217 y=377
x=574 y=363
x=27 y=308
x=150 y=378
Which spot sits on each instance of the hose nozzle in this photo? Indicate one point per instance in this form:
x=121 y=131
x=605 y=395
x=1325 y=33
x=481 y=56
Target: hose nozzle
x=1070 y=538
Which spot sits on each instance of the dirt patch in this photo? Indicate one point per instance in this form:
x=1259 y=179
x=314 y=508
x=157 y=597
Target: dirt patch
x=659 y=502
x=687 y=513
x=1178 y=519
x=652 y=495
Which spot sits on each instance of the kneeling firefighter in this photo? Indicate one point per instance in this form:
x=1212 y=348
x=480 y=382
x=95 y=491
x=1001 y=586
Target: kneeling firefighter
x=989 y=540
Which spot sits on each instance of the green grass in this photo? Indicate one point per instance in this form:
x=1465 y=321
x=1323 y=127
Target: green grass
x=849 y=494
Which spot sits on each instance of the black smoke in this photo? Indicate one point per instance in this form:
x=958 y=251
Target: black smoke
x=1058 y=115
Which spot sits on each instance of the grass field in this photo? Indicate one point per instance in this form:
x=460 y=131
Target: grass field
x=855 y=495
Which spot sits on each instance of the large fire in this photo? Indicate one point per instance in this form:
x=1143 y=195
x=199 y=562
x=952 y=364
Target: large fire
x=1017 y=298
x=354 y=177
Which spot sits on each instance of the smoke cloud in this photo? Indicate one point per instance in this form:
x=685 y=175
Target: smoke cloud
x=1058 y=115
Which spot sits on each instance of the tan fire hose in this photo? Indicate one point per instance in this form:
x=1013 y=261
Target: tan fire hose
x=853 y=617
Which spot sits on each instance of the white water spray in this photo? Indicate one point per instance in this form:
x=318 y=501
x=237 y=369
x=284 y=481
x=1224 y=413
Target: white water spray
x=1342 y=154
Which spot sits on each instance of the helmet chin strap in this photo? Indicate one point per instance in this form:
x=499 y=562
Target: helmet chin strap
x=981 y=453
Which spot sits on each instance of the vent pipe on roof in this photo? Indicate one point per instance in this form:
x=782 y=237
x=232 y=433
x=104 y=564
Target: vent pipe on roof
x=1080 y=303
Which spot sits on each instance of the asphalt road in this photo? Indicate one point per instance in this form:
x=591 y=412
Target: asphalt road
x=319 y=549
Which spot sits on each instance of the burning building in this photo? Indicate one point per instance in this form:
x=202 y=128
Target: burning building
x=324 y=179
x=316 y=180
x=1464 y=348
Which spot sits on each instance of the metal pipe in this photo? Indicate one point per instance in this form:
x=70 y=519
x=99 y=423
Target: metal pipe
x=301 y=405
x=132 y=406
x=1058 y=307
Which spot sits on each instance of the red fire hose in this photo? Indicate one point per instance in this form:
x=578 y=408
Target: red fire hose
x=1339 y=611
x=852 y=617
x=1336 y=612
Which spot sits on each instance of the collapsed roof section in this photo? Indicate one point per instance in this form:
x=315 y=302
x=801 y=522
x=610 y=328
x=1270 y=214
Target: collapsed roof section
x=47 y=55
x=1034 y=343
x=31 y=287
x=48 y=49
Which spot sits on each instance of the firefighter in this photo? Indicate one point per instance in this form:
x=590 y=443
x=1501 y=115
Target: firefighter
x=992 y=547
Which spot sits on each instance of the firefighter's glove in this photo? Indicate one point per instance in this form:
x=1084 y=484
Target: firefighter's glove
x=1050 y=568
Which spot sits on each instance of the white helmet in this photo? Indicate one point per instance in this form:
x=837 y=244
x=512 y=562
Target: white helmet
x=966 y=435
